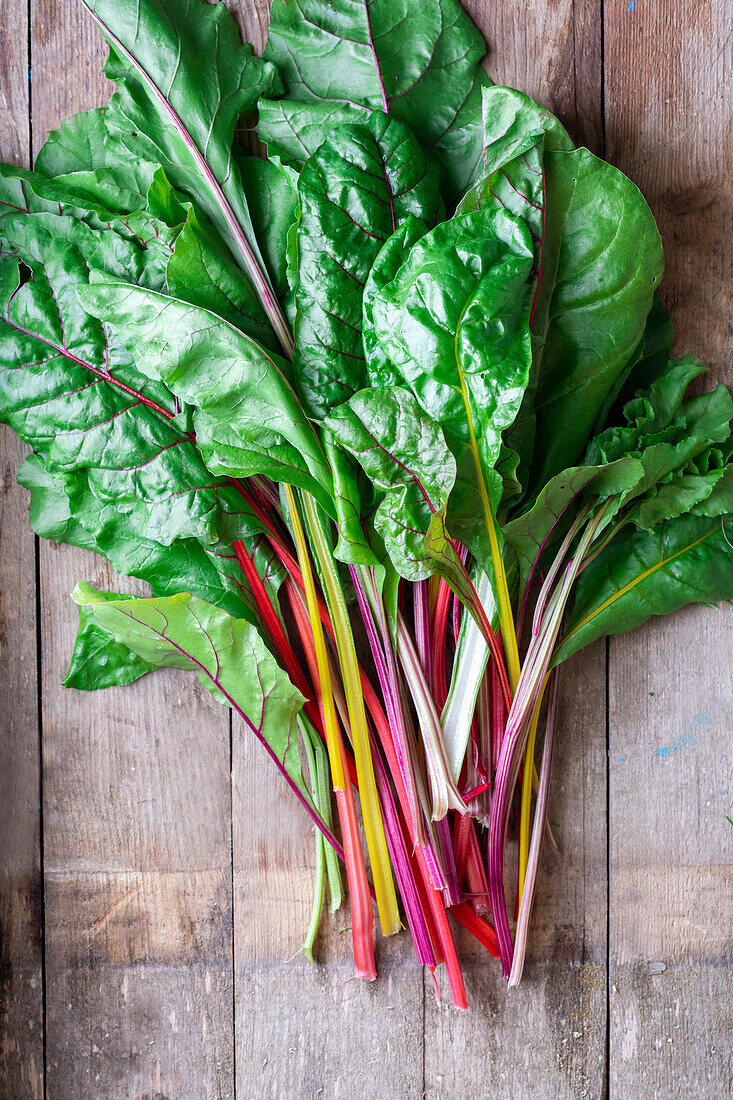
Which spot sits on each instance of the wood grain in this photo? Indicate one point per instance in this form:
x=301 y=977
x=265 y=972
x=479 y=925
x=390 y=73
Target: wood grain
x=669 y=88
x=176 y=901
x=21 y=898
x=136 y=801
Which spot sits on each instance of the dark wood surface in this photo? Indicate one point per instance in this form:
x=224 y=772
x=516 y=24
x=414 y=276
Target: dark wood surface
x=155 y=879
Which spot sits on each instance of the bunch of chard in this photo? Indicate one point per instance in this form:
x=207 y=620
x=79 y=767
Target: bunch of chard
x=405 y=378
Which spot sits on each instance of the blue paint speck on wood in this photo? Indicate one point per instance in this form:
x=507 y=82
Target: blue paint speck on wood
x=632 y=5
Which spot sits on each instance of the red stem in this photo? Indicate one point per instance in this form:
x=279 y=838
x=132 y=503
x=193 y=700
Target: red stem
x=438 y=639
x=478 y=927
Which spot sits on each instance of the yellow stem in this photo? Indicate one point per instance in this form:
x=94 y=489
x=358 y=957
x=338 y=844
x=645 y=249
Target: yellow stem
x=506 y=619
x=528 y=774
x=384 y=889
x=330 y=721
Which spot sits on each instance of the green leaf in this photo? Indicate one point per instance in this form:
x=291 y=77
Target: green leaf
x=201 y=271
x=354 y=192
x=455 y=324
x=230 y=658
x=682 y=445
x=172 y=110
x=417 y=61
x=98 y=661
x=534 y=534
x=246 y=418
x=272 y=197
x=388 y=261
x=516 y=134
x=404 y=454
x=73 y=394
x=210 y=573
x=686 y=560
x=602 y=260
x=651 y=361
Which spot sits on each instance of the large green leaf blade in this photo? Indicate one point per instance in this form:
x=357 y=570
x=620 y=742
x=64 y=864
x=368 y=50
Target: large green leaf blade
x=63 y=508
x=602 y=262
x=172 y=110
x=246 y=417
x=230 y=658
x=455 y=324
x=362 y=184
x=418 y=61
x=73 y=394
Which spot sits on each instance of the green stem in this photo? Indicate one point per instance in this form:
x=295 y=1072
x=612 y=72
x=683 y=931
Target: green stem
x=320 y=882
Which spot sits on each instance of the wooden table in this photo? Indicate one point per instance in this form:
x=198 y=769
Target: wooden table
x=156 y=878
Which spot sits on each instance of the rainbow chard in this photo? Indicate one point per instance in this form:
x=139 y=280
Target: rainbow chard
x=267 y=385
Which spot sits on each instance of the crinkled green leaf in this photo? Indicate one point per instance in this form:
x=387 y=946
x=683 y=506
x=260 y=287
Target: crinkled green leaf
x=677 y=442
x=246 y=418
x=516 y=134
x=212 y=573
x=686 y=560
x=388 y=261
x=404 y=454
x=455 y=324
x=74 y=395
x=417 y=61
x=354 y=192
x=230 y=658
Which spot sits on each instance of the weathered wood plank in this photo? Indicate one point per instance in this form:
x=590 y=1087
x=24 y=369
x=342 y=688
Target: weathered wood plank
x=21 y=982
x=547 y=1038
x=302 y=1030
x=137 y=818
x=669 y=80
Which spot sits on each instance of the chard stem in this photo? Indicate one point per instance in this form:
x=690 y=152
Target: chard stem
x=361 y=907
x=373 y=825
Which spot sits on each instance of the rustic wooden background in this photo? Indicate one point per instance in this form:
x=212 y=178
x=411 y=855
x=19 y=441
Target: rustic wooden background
x=155 y=878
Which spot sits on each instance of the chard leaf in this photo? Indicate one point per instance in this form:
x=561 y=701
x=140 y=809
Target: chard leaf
x=683 y=446
x=97 y=660
x=230 y=658
x=246 y=418
x=516 y=134
x=646 y=366
x=171 y=110
x=74 y=395
x=209 y=573
x=719 y=501
x=201 y=271
x=404 y=454
x=638 y=574
x=354 y=193
x=455 y=324
x=149 y=237
x=388 y=261
x=417 y=61
x=272 y=197
x=602 y=260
